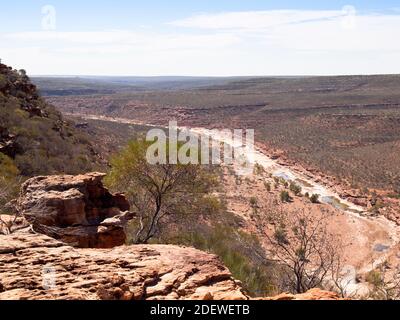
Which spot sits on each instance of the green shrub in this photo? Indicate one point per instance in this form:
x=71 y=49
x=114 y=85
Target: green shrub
x=285 y=197
x=374 y=277
x=295 y=188
x=314 y=198
x=267 y=186
x=8 y=169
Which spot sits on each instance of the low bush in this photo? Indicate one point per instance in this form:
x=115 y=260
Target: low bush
x=285 y=197
x=295 y=188
x=314 y=198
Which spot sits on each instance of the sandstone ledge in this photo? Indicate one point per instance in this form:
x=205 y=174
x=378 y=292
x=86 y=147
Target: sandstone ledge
x=29 y=263
x=313 y=294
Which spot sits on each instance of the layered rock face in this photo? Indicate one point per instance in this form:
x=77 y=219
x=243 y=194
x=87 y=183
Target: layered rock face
x=34 y=266
x=77 y=210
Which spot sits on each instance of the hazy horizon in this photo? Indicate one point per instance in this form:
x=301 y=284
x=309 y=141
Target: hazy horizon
x=83 y=76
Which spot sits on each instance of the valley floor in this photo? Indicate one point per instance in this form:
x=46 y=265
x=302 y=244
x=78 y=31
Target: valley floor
x=368 y=240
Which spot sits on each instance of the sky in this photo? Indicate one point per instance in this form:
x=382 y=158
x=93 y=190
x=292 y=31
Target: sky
x=200 y=38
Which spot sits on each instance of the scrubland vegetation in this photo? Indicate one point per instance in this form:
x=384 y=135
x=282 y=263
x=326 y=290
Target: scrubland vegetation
x=38 y=140
x=34 y=140
x=177 y=204
x=330 y=124
x=336 y=125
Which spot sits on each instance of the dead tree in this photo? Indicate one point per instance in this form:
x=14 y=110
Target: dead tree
x=301 y=243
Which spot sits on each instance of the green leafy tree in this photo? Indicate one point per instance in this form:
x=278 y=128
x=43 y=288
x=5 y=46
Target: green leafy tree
x=158 y=191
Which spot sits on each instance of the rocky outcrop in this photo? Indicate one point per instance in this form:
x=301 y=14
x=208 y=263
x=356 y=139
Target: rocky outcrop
x=34 y=266
x=27 y=121
x=17 y=84
x=77 y=210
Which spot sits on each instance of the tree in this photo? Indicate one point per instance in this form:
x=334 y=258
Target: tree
x=302 y=244
x=157 y=191
x=341 y=279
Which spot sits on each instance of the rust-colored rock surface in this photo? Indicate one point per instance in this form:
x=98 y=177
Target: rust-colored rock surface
x=77 y=210
x=313 y=294
x=34 y=266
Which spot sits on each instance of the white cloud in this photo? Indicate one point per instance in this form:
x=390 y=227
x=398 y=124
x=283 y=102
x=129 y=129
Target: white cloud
x=278 y=42
x=122 y=39
x=256 y=19
x=74 y=37
x=341 y=30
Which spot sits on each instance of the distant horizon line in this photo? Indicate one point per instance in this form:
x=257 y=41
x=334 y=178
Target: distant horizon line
x=194 y=76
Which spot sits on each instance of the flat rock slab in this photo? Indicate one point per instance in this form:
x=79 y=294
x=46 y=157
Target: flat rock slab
x=35 y=266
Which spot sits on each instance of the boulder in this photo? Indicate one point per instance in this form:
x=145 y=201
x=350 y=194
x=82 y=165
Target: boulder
x=77 y=210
